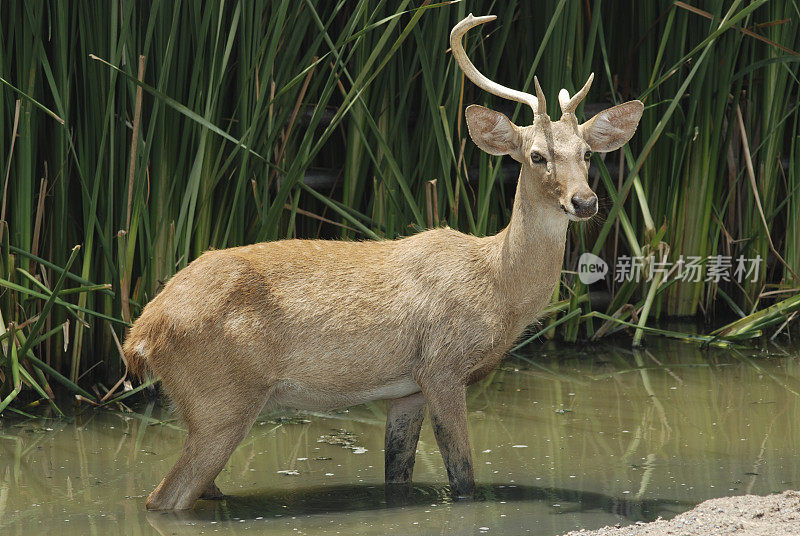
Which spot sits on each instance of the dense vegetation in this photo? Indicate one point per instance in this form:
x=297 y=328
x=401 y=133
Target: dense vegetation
x=148 y=132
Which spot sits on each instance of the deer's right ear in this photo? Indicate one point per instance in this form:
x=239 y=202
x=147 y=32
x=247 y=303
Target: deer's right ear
x=492 y=131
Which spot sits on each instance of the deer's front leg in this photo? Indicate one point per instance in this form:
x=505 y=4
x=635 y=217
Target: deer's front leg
x=447 y=407
x=403 y=422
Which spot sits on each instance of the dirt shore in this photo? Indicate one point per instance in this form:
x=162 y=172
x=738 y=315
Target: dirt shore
x=750 y=515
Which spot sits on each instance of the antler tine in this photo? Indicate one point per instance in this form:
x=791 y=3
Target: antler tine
x=563 y=99
x=473 y=74
x=569 y=105
x=540 y=96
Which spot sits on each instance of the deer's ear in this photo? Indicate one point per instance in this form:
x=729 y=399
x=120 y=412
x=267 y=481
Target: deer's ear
x=612 y=128
x=492 y=131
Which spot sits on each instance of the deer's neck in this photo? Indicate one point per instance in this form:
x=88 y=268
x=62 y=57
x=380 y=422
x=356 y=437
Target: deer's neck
x=530 y=251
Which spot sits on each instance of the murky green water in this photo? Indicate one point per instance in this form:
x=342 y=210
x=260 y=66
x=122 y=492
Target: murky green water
x=579 y=439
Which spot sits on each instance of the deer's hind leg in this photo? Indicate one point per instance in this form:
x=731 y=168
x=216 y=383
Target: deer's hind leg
x=212 y=493
x=217 y=424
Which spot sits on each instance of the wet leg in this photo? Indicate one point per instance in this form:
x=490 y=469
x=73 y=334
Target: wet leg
x=212 y=493
x=403 y=423
x=213 y=436
x=447 y=408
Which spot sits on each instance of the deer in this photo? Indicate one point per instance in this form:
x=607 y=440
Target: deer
x=325 y=324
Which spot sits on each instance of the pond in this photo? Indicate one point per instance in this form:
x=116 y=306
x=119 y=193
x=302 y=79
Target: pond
x=564 y=438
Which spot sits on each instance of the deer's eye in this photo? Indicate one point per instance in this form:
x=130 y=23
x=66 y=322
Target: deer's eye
x=537 y=158
x=587 y=155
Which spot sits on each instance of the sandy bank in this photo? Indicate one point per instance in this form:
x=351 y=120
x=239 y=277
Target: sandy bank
x=748 y=515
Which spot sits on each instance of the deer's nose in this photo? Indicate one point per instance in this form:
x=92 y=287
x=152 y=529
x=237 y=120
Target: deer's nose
x=585 y=205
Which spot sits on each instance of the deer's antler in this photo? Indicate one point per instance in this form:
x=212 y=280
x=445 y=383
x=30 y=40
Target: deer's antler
x=540 y=96
x=569 y=105
x=477 y=78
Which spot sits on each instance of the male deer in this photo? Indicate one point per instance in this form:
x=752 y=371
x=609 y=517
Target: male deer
x=314 y=324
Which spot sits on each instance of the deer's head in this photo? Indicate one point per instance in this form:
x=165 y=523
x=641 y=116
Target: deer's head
x=555 y=154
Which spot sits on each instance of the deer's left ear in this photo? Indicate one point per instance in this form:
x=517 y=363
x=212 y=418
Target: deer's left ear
x=612 y=128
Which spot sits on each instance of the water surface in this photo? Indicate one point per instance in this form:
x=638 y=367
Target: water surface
x=568 y=438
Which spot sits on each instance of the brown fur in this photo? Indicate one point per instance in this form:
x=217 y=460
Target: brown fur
x=316 y=324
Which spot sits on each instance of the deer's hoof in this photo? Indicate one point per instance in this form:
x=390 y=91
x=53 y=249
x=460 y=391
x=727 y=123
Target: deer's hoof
x=212 y=493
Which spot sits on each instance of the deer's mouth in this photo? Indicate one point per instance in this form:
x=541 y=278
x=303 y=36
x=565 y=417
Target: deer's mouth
x=579 y=214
